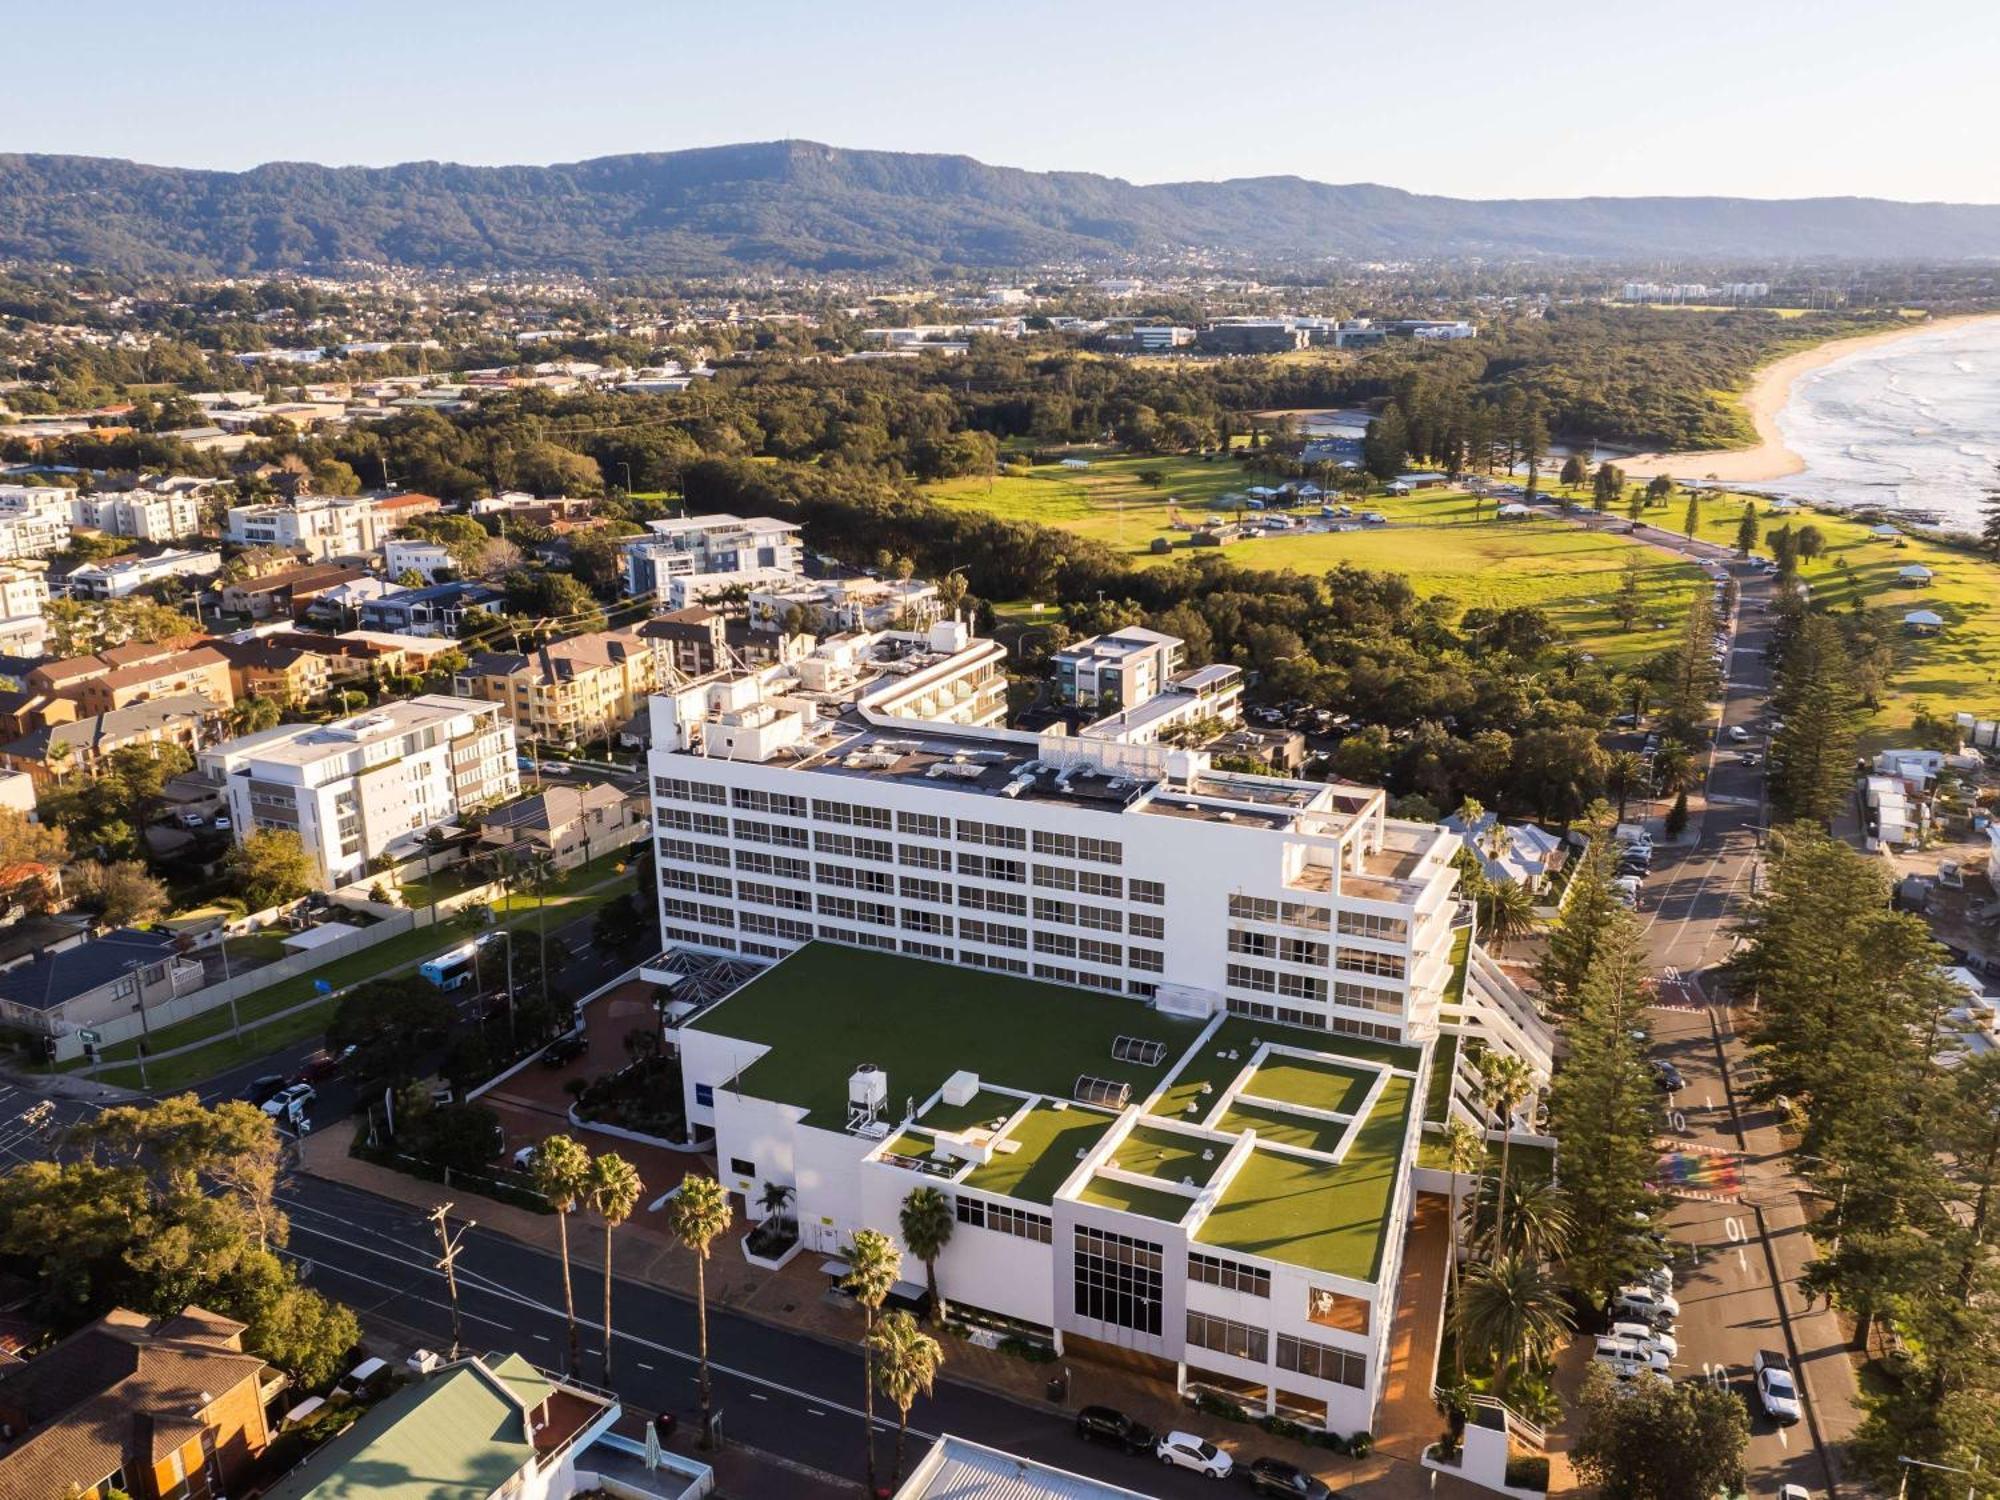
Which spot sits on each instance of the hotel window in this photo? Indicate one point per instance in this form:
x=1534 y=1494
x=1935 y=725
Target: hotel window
x=1100 y=919
x=1255 y=944
x=683 y=821
x=1253 y=909
x=1243 y=977
x=1231 y=1276
x=688 y=852
x=1055 y=911
x=1366 y=996
x=1366 y=924
x=1145 y=925
x=1061 y=944
x=994 y=835
x=1060 y=844
x=758 y=894
x=1100 y=851
x=679 y=789
x=853 y=846
x=1302 y=951
x=1226 y=1336
x=1118 y=1280
x=1006 y=903
x=1147 y=960
x=1384 y=965
x=994 y=961
x=1091 y=980
x=997 y=934
x=847 y=812
x=988 y=867
x=1002 y=1219
x=934 y=923
x=1055 y=973
x=915 y=888
x=1302 y=987
x=926 y=950
x=1321 y=1361
x=1091 y=951
x=1312 y=918
x=783 y=866
x=924 y=825
x=917 y=857
x=770 y=833
x=1055 y=878
x=1151 y=892
x=1093 y=883
x=783 y=804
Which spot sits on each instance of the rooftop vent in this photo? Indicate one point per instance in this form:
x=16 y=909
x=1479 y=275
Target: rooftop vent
x=1108 y=1092
x=1137 y=1049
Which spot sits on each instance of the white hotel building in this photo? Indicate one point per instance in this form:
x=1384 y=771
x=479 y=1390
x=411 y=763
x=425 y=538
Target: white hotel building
x=1176 y=1080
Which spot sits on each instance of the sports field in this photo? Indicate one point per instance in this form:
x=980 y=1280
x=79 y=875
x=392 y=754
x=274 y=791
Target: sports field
x=1435 y=538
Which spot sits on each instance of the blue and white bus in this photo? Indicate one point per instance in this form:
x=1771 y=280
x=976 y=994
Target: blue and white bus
x=453 y=970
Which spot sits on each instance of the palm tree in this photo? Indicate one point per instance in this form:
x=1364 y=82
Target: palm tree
x=1504 y=1082
x=1508 y=912
x=1624 y=775
x=698 y=1215
x=1511 y=1311
x=1464 y=1151
x=612 y=1192
x=906 y=1363
x=928 y=1220
x=872 y=1265
x=776 y=1200
x=561 y=1170
x=1538 y=1219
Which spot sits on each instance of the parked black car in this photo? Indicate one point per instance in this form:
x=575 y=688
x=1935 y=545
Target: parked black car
x=1667 y=1076
x=564 y=1049
x=1105 y=1424
x=265 y=1087
x=1273 y=1476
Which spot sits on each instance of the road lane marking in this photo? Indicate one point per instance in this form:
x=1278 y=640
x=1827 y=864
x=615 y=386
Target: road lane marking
x=543 y=1337
x=814 y=1411
x=756 y=1395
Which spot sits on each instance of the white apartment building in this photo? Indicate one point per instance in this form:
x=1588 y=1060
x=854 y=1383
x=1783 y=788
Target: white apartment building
x=24 y=592
x=415 y=555
x=693 y=549
x=148 y=515
x=34 y=520
x=369 y=784
x=123 y=576
x=1119 y=669
x=1156 y=338
x=322 y=528
x=847 y=603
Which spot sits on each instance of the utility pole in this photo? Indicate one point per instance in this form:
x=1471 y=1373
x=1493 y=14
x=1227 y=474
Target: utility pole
x=448 y=1263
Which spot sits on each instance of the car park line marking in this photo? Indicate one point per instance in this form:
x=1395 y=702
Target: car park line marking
x=1784 y=1440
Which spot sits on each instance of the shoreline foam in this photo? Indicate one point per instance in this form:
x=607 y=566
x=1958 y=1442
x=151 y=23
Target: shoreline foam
x=1770 y=390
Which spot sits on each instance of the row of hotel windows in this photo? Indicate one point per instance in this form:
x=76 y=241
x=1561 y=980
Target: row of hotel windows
x=678 y=852
x=761 y=924
x=1300 y=1356
x=1315 y=954
x=1318 y=918
x=1313 y=987
x=1258 y=1010
x=925 y=825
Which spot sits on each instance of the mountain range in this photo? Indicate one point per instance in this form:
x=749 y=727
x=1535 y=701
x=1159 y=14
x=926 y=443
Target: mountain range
x=800 y=206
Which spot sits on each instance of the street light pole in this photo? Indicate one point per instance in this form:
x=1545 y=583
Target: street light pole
x=448 y=1263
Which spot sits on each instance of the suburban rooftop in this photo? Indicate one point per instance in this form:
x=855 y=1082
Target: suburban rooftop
x=1263 y=1139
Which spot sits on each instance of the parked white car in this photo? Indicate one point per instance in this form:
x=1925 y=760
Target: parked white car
x=1184 y=1450
x=290 y=1103
x=1626 y=1358
x=1649 y=1337
x=1738 y=733
x=1646 y=1304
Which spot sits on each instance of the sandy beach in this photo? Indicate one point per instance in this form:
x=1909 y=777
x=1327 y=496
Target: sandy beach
x=1769 y=390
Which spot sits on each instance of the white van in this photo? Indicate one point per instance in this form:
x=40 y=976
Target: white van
x=1648 y=1337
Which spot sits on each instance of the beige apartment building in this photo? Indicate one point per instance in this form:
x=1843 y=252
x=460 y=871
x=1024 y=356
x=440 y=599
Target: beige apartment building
x=567 y=692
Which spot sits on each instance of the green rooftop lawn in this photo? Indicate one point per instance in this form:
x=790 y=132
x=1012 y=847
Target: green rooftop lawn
x=1168 y=1154
x=1317 y=1085
x=1051 y=1140
x=1444 y=1062
x=1304 y=1213
x=826 y=1010
x=1286 y=1129
x=987 y=1107
x=1212 y=1066
x=1152 y=1203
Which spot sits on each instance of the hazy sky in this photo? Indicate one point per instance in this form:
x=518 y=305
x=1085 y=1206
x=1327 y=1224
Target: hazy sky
x=1475 y=98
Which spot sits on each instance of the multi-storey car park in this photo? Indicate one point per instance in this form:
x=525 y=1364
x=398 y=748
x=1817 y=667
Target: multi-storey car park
x=1177 y=1075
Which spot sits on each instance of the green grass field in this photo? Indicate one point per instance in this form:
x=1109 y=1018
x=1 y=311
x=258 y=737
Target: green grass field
x=1435 y=538
x=1959 y=668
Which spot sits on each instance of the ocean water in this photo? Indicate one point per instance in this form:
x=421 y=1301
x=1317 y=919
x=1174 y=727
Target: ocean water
x=1912 y=425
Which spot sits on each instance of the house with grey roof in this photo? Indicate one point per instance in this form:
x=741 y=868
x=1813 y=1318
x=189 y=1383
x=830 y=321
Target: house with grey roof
x=57 y=991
